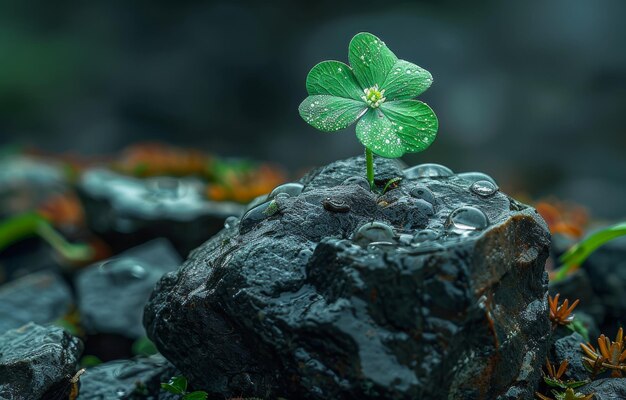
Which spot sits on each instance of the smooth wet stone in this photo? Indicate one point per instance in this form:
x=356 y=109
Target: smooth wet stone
x=42 y=298
x=312 y=304
x=138 y=378
x=112 y=293
x=34 y=360
x=127 y=211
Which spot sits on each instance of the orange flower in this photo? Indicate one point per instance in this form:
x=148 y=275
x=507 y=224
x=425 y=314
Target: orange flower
x=561 y=314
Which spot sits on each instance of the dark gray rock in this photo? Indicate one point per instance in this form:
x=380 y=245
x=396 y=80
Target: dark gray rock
x=128 y=211
x=112 y=293
x=41 y=297
x=34 y=360
x=308 y=303
x=139 y=378
x=25 y=257
x=606 y=268
x=606 y=389
x=578 y=286
x=568 y=348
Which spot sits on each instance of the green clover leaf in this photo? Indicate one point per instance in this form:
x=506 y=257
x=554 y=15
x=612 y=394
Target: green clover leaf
x=377 y=91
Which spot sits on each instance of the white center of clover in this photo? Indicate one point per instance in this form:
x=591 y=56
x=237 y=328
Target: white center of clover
x=374 y=97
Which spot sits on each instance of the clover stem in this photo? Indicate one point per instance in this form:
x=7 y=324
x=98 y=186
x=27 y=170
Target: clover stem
x=369 y=159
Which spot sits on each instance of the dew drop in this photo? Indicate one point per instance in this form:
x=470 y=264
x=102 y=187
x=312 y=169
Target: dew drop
x=483 y=188
x=382 y=246
x=373 y=232
x=476 y=176
x=255 y=215
x=293 y=189
x=425 y=235
x=231 y=222
x=467 y=218
x=428 y=171
x=422 y=192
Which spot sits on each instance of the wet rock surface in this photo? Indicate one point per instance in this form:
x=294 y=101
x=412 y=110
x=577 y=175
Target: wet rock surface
x=127 y=211
x=606 y=389
x=568 y=348
x=432 y=291
x=113 y=293
x=34 y=361
x=139 y=378
x=40 y=297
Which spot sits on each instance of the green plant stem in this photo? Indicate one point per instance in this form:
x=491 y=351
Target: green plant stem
x=369 y=159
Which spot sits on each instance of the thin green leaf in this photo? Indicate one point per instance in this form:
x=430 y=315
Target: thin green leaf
x=333 y=78
x=578 y=253
x=176 y=385
x=371 y=59
x=198 y=395
x=19 y=227
x=377 y=133
x=414 y=122
x=406 y=81
x=391 y=182
x=330 y=113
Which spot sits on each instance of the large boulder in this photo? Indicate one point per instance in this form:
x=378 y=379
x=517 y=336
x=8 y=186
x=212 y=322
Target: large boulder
x=435 y=290
x=36 y=362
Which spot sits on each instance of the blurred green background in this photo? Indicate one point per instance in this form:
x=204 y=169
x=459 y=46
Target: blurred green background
x=532 y=92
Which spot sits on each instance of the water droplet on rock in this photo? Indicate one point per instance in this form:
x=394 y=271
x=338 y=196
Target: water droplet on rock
x=373 y=232
x=382 y=246
x=256 y=202
x=121 y=270
x=467 y=218
x=231 y=222
x=405 y=239
x=166 y=188
x=425 y=236
x=426 y=247
x=483 y=188
x=357 y=180
x=292 y=189
x=476 y=176
x=255 y=215
x=422 y=192
x=428 y=171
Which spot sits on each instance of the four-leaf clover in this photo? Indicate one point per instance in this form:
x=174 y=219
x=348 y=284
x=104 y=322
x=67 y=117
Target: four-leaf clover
x=378 y=90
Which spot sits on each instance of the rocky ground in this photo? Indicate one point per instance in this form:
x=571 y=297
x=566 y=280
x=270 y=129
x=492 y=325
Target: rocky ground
x=322 y=289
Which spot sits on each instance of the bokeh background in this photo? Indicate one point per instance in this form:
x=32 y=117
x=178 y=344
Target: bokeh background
x=532 y=92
